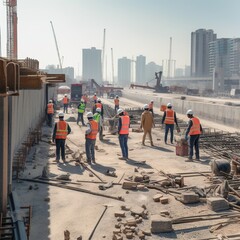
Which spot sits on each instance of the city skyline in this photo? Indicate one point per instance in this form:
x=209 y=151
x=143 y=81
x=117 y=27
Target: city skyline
x=133 y=28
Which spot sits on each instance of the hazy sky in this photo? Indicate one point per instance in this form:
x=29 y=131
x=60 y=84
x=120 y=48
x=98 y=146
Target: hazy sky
x=133 y=27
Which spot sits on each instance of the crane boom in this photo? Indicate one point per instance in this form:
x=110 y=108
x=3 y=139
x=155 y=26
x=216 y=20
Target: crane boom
x=59 y=58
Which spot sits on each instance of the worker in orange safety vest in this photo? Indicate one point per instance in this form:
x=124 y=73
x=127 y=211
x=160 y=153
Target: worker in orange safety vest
x=90 y=136
x=123 y=131
x=60 y=132
x=98 y=105
x=65 y=104
x=169 y=118
x=50 y=112
x=95 y=98
x=194 y=131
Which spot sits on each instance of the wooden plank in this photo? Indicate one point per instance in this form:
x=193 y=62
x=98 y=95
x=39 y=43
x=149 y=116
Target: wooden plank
x=3 y=76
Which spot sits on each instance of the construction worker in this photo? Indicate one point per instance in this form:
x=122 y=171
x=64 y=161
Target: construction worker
x=151 y=107
x=116 y=103
x=60 y=132
x=65 y=104
x=147 y=122
x=81 y=110
x=193 y=131
x=95 y=98
x=169 y=118
x=98 y=118
x=85 y=98
x=99 y=105
x=90 y=135
x=123 y=131
x=50 y=112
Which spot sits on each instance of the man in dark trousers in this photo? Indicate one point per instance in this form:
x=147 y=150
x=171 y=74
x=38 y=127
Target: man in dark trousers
x=81 y=110
x=60 y=132
x=123 y=131
x=169 y=118
x=193 y=131
x=50 y=112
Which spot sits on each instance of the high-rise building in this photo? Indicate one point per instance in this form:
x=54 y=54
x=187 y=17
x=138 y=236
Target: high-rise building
x=200 y=40
x=179 y=72
x=141 y=70
x=151 y=68
x=124 y=71
x=91 y=64
x=187 y=71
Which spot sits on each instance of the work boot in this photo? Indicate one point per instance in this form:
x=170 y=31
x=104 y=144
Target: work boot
x=122 y=158
x=143 y=143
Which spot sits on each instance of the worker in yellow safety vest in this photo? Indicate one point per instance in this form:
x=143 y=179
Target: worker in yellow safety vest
x=193 y=131
x=90 y=136
x=65 y=104
x=123 y=131
x=60 y=132
x=50 y=112
x=169 y=118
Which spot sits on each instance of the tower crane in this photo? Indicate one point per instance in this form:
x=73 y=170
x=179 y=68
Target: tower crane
x=54 y=35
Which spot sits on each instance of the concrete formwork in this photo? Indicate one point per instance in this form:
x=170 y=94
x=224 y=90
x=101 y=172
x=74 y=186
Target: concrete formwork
x=219 y=113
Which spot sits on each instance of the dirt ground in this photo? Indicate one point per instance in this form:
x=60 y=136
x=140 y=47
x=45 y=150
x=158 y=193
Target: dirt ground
x=55 y=209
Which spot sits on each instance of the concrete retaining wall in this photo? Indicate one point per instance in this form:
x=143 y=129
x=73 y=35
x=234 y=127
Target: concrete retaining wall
x=222 y=114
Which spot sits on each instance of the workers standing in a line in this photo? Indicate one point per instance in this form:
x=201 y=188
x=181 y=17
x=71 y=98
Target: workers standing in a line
x=147 y=122
x=99 y=105
x=50 y=112
x=151 y=107
x=81 y=110
x=169 y=118
x=90 y=135
x=123 y=131
x=60 y=132
x=95 y=98
x=194 y=130
x=116 y=103
x=65 y=104
x=98 y=118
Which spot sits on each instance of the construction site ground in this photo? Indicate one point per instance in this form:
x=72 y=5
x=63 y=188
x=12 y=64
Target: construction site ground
x=55 y=209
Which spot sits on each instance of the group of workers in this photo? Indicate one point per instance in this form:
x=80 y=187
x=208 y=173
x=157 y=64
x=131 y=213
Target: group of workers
x=95 y=126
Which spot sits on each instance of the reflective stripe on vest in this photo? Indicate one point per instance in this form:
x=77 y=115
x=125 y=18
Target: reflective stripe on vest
x=98 y=105
x=169 y=119
x=62 y=130
x=125 y=124
x=50 y=108
x=150 y=105
x=65 y=100
x=81 y=108
x=116 y=101
x=94 y=130
x=96 y=117
x=195 y=129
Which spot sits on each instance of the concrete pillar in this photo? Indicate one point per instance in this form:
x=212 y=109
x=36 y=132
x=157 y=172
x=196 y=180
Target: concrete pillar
x=3 y=154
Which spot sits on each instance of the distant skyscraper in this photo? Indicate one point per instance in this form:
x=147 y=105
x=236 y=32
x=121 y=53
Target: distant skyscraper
x=179 y=72
x=141 y=70
x=200 y=40
x=187 y=71
x=124 y=71
x=91 y=64
x=151 y=68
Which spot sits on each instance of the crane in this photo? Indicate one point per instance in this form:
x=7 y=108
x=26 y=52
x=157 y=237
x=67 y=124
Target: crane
x=54 y=35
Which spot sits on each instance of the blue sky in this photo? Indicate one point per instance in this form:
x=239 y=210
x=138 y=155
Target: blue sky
x=133 y=27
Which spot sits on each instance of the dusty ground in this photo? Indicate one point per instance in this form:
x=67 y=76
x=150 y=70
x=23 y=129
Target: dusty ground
x=56 y=209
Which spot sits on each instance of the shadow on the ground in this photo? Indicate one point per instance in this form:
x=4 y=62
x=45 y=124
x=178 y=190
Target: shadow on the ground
x=102 y=169
x=141 y=164
x=107 y=141
x=160 y=148
x=70 y=168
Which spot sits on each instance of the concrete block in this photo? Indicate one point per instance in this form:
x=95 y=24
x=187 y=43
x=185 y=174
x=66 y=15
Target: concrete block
x=141 y=187
x=164 y=212
x=160 y=224
x=117 y=237
x=164 y=200
x=125 y=208
x=116 y=231
x=129 y=185
x=129 y=235
x=156 y=198
x=217 y=204
x=120 y=214
x=189 y=197
x=138 y=178
x=137 y=211
x=141 y=235
x=131 y=222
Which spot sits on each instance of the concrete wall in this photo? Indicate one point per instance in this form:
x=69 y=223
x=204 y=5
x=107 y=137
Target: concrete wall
x=223 y=114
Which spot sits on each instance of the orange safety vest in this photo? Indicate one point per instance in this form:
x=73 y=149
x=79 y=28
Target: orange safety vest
x=195 y=129
x=84 y=98
x=65 y=100
x=98 y=105
x=94 y=130
x=94 y=97
x=50 y=108
x=169 y=116
x=116 y=101
x=125 y=124
x=62 y=130
x=150 y=105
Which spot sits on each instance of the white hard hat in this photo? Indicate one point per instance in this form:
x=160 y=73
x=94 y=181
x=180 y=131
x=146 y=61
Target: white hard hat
x=89 y=115
x=189 y=112
x=50 y=101
x=169 y=105
x=95 y=94
x=116 y=96
x=65 y=95
x=99 y=100
x=98 y=110
x=151 y=101
x=119 y=111
x=61 y=114
x=146 y=106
